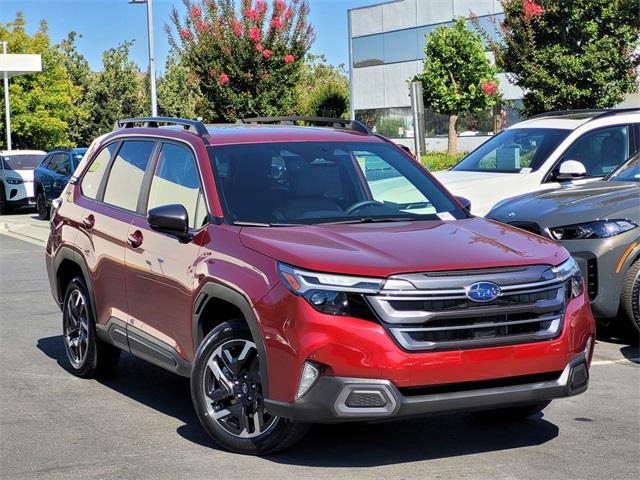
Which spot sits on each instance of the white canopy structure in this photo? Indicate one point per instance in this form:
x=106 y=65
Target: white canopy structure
x=12 y=65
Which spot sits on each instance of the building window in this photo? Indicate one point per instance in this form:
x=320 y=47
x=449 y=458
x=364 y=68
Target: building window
x=367 y=51
x=388 y=122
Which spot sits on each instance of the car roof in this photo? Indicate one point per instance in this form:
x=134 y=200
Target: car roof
x=572 y=119
x=70 y=150
x=22 y=152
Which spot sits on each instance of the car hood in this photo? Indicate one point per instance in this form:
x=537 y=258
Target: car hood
x=483 y=189
x=573 y=204
x=383 y=249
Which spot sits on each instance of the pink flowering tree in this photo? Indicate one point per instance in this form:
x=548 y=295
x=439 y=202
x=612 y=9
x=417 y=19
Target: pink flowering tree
x=245 y=58
x=571 y=53
x=457 y=78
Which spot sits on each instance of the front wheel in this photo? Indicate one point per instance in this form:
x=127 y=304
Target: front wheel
x=226 y=390
x=512 y=413
x=630 y=300
x=41 y=205
x=3 y=201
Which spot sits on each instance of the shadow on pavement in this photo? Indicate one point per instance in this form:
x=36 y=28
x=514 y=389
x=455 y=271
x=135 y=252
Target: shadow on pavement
x=343 y=445
x=631 y=353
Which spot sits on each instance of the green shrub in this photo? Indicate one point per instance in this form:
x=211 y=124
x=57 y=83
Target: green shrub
x=435 y=161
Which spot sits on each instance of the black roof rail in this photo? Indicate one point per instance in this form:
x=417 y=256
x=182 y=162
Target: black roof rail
x=354 y=125
x=154 y=122
x=597 y=112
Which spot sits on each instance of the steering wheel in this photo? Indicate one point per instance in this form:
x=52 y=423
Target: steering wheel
x=357 y=206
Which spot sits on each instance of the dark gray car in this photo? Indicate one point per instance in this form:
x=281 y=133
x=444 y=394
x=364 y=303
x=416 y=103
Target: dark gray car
x=598 y=223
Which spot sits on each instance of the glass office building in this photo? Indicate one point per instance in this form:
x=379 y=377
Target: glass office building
x=386 y=45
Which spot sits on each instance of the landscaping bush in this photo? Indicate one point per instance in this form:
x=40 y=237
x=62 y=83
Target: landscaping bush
x=435 y=161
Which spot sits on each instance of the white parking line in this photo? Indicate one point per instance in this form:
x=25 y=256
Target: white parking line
x=613 y=362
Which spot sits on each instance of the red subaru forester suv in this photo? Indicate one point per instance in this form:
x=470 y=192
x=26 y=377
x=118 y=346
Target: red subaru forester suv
x=307 y=274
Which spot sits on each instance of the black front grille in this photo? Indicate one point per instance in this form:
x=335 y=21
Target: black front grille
x=465 y=303
x=365 y=400
x=494 y=383
x=592 y=278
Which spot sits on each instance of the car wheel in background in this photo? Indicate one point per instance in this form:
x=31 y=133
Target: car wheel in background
x=226 y=390
x=630 y=300
x=41 y=205
x=88 y=356
x=3 y=201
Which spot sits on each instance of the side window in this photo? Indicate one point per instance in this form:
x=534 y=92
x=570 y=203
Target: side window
x=63 y=165
x=91 y=180
x=127 y=173
x=601 y=151
x=48 y=161
x=176 y=180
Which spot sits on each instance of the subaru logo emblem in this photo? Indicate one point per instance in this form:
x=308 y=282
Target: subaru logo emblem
x=482 y=291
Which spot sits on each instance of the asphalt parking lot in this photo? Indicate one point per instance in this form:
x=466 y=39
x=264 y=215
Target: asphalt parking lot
x=140 y=424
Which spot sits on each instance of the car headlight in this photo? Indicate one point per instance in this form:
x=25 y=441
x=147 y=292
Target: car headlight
x=14 y=181
x=570 y=272
x=329 y=293
x=597 y=229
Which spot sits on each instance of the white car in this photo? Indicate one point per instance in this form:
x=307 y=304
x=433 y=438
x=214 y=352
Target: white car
x=545 y=151
x=16 y=177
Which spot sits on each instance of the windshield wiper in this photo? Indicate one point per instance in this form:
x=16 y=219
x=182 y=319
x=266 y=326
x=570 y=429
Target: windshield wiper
x=370 y=220
x=260 y=224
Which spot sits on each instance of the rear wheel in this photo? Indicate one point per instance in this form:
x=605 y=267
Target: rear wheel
x=226 y=389
x=512 y=413
x=3 y=201
x=41 y=205
x=88 y=355
x=630 y=300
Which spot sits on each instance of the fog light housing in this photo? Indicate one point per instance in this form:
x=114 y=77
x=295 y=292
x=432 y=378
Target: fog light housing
x=310 y=374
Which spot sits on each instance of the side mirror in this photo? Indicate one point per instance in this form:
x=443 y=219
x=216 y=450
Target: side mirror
x=171 y=219
x=571 y=169
x=465 y=202
x=406 y=149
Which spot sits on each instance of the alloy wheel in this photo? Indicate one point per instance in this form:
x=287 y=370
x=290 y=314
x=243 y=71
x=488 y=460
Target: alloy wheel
x=233 y=391
x=76 y=328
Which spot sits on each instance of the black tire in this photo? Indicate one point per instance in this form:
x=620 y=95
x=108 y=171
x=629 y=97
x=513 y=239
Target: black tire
x=96 y=359
x=630 y=301
x=4 y=208
x=278 y=434
x=511 y=414
x=41 y=205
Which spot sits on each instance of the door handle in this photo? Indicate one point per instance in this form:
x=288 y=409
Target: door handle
x=135 y=239
x=89 y=222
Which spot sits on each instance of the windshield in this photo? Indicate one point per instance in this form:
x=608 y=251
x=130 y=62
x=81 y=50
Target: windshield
x=21 y=162
x=514 y=150
x=629 y=172
x=325 y=182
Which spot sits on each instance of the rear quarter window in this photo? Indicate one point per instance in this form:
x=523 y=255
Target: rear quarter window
x=90 y=184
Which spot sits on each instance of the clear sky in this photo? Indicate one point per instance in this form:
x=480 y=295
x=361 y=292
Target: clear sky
x=105 y=23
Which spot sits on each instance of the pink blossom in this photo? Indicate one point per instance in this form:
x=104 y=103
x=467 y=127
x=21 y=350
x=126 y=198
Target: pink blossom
x=201 y=26
x=223 y=79
x=489 y=88
x=276 y=23
x=289 y=13
x=196 y=12
x=278 y=5
x=237 y=29
x=252 y=14
x=259 y=47
x=261 y=7
x=185 y=34
x=266 y=54
x=289 y=58
x=531 y=8
x=254 y=34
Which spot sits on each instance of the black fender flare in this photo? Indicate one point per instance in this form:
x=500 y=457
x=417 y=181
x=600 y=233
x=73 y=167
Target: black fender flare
x=215 y=290
x=68 y=253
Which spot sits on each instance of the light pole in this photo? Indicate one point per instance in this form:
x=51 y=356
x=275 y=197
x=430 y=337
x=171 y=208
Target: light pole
x=152 y=60
x=7 y=105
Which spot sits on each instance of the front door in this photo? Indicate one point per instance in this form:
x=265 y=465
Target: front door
x=160 y=268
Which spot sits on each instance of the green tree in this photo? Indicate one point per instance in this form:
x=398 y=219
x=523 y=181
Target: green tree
x=571 y=54
x=244 y=60
x=81 y=76
x=176 y=95
x=457 y=78
x=324 y=89
x=44 y=104
x=117 y=91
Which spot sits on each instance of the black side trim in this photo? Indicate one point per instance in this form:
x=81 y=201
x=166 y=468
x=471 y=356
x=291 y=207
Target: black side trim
x=215 y=290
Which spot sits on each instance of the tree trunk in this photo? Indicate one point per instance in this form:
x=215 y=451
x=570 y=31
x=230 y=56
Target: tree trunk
x=453 y=135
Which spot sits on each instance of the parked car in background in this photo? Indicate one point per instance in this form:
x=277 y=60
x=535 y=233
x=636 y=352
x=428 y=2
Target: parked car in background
x=598 y=224
x=52 y=175
x=264 y=263
x=16 y=177
x=542 y=152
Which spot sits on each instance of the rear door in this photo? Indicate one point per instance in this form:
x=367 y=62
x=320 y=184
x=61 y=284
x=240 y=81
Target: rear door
x=160 y=266
x=110 y=191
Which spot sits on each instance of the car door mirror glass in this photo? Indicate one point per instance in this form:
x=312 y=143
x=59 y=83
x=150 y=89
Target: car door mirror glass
x=571 y=169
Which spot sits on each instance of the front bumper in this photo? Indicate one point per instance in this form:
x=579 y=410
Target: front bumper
x=340 y=399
